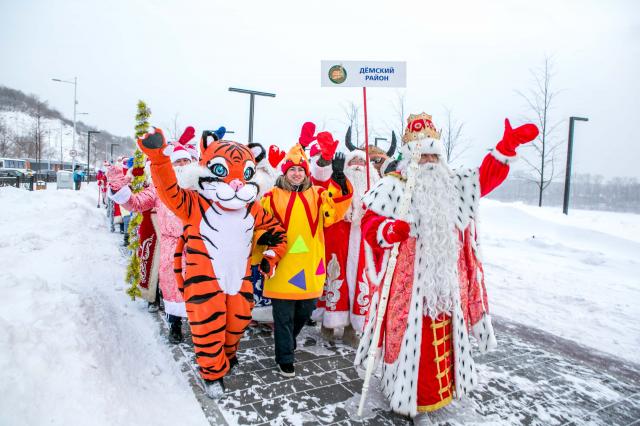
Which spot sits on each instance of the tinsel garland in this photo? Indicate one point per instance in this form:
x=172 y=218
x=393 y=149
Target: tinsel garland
x=137 y=184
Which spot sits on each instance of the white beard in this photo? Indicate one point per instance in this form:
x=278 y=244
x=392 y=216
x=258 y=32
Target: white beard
x=357 y=175
x=433 y=209
x=265 y=177
x=187 y=176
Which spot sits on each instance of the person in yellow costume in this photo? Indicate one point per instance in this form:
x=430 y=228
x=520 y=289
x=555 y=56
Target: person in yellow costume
x=304 y=211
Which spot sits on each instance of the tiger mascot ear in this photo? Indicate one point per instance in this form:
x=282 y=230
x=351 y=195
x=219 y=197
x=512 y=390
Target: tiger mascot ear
x=258 y=151
x=210 y=136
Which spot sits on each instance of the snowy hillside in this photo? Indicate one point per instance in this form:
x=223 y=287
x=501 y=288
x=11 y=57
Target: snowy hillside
x=21 y=123
x=575 y=276
x=73 y=348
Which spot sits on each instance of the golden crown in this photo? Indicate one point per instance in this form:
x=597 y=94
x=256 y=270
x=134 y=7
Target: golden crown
x=420 y=126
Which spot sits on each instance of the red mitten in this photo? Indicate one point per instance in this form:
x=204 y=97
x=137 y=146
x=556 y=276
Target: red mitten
x=275 y=156
x=116 y=178
x=187 y=135
x=314 y=150
x=306 y=134
x=396 y=231
x=327 y=145
x=512 y=138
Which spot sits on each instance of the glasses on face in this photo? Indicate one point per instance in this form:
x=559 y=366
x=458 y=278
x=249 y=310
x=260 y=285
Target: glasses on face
x=377 y=160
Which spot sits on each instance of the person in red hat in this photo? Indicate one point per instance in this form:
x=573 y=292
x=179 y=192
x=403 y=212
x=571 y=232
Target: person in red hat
x=101 y=180
x=169 y=226
x=304 y=210
x=437 y=294
x=345 y=300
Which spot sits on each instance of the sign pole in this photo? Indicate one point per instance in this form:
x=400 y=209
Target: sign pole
x=366 y=133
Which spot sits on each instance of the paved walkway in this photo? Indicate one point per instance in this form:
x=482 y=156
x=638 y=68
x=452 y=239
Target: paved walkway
x=533 y=378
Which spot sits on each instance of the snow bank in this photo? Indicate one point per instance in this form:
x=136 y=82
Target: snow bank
x=575 y=276
x=73 y=348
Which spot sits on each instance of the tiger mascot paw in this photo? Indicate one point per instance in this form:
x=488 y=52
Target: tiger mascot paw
x=153 y=143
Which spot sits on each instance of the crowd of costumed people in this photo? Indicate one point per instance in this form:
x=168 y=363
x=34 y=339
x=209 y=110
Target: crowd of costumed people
x=379 y=248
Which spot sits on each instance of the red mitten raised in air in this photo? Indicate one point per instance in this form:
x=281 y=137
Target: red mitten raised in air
x=513 y=138
x=187 y=135
x=306 y=134
x=275 y=156
x=396 y=231
x=327 y=145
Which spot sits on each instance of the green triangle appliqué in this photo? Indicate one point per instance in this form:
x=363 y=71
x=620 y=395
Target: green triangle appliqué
x=299 y=246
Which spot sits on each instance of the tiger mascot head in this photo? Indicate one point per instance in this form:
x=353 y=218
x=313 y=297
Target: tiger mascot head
x=227 y=170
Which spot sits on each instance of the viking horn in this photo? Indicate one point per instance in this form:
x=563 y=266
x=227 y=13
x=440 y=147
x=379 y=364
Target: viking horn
x=347 y=140
x=394 y=142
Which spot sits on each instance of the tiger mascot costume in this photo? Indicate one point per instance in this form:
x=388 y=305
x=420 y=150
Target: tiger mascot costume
x=220 y=220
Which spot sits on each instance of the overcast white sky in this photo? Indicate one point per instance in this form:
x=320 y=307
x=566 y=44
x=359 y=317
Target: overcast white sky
x=471 y=56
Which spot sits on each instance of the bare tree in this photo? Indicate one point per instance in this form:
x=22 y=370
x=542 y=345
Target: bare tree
x=174 y=128
x=6 y=141
x=455 y=144
x=540 y=100
x=352 y=115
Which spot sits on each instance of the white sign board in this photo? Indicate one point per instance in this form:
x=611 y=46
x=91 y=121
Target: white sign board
x=363 y=74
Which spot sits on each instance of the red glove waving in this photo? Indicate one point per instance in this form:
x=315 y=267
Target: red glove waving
x=512 y=138
x=187 y=135
x=275 y=156
x=396 y=231
x=306 y=134
x=327 y=145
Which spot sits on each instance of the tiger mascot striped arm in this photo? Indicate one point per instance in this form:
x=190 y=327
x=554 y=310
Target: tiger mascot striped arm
x=220 y=219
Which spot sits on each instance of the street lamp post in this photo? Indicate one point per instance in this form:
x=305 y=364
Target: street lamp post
x=112 y=145
x=567 y=178
x=252 y=94
x=88 y=149
x=75 y=104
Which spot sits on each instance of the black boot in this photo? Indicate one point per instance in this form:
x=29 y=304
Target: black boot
x=175 y=332
x=233 y=362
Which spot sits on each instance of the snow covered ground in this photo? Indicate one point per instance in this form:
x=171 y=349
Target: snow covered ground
x=73 y=348
x=575 y=276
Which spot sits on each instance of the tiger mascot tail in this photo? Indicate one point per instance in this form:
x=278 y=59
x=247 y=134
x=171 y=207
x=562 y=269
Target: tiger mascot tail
x=220 y=220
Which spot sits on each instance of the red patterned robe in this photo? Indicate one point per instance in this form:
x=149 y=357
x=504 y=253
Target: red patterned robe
x=345 y=299
x=427 y=361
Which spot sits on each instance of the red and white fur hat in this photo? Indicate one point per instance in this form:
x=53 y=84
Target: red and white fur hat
x=182 y=149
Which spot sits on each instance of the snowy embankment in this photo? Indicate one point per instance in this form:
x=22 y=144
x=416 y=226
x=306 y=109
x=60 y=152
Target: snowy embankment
x=74 y=349
x=575 y=276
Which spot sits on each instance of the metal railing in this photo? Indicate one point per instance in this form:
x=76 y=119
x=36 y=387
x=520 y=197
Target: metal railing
x=30 y=182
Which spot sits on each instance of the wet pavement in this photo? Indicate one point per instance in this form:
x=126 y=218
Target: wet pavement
x=532 y=378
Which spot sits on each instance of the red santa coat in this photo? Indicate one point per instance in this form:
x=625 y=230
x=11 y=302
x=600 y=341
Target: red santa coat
x=345 y=300
x=101 y=178
x=403 y=325
x=169 y=226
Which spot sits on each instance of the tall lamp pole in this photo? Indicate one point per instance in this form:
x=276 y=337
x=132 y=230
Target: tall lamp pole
x=88 y=150
x=75 y=104
x=252 y=94
x=112 y=145
x=567 y=178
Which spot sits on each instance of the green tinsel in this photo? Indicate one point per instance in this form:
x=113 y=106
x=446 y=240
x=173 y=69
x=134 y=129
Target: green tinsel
x=142 y=119
x=133 y=270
